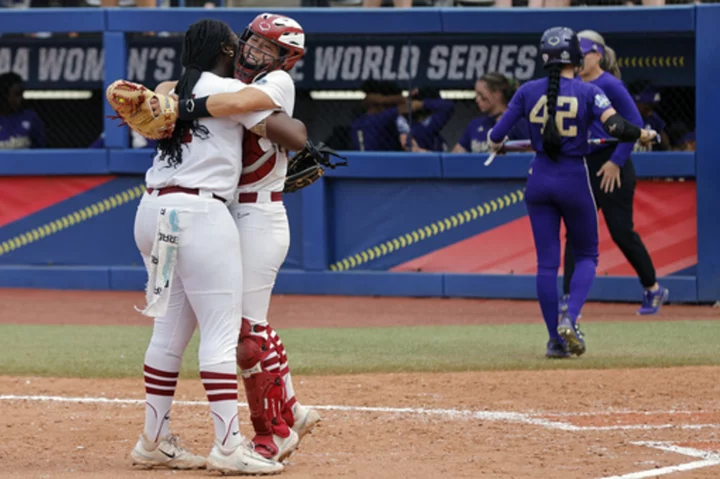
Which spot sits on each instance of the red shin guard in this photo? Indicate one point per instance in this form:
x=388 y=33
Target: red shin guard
x=283 y=369
x=265 y=389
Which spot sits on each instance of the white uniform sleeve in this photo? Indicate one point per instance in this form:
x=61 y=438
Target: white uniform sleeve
x=280 y=87
x=250 y=119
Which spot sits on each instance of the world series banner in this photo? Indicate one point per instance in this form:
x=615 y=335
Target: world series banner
x=333 y=62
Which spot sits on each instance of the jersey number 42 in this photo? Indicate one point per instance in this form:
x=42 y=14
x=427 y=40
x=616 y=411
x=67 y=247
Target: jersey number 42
x=567 y=109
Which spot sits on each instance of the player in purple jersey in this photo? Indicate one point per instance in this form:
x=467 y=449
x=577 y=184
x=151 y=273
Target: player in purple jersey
x=19 y=127
x=612 y=173
x=493 y=93
x=561 y=110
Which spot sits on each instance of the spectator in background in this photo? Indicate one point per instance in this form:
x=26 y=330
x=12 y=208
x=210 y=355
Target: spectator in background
x=14 y=3
x=646 y=101
x=19 y=127
x=680 y=137
x=430 y=114
x=139 y=3
x=493 y=92
x=396 y=3
x=377 y=128
x=687 y=142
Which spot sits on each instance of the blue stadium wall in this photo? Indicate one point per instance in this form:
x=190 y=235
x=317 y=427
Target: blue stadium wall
x=389 y=224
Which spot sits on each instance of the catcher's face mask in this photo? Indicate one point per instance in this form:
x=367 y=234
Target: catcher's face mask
x=271 y=42
x=256 y=55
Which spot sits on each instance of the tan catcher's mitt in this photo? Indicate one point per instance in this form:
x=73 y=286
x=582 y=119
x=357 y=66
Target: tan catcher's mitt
x=131 y=101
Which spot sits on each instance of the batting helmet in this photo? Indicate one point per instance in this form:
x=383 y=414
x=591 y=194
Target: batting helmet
x=560 y=45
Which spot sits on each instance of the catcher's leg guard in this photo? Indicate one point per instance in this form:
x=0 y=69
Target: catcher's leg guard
x=281 y=366
x=264 y=388
x=301 y=419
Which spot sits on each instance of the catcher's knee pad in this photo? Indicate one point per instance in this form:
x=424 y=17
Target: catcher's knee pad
x=264 y=388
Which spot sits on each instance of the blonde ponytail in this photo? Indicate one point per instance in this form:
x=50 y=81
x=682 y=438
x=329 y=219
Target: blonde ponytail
x=610 y=63
x=609 y=59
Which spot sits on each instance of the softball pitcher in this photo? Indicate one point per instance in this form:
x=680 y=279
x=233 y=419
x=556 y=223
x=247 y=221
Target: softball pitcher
x=561 y=111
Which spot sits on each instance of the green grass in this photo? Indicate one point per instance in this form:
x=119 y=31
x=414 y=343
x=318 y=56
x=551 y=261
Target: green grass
x=108 y=351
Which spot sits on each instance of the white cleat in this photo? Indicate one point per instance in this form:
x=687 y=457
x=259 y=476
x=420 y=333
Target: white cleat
x=306 y=419
x=265 y=445
x=242 y=460
x=165 y=453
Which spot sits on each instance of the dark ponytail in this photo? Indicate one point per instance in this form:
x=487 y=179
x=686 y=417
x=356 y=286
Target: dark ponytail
x=552 y=141
x=202 y=48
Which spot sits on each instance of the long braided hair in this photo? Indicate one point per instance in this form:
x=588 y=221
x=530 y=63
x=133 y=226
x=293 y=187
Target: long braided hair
x=202 y=47
x=552 y=141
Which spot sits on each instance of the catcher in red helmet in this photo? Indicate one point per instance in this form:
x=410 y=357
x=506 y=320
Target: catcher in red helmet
x=271 y=42
x=269 y=47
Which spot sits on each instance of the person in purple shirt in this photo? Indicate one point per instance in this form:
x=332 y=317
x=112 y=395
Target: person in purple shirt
x=612 y=174
x=430 y=114
x=646 y=101
x=19 y=128
x=493 y=93
x=561 y=110
x=378 y=128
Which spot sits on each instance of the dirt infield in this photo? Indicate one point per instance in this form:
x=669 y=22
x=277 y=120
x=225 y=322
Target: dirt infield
x=544 y=424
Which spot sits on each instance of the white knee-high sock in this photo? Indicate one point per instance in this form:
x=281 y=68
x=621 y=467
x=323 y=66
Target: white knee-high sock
x=160 y=387
x=221 y=386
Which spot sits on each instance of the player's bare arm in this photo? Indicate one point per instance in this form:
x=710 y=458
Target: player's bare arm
x=225 y=104
x=284 y=130
x=279 y=127
x=218 y=105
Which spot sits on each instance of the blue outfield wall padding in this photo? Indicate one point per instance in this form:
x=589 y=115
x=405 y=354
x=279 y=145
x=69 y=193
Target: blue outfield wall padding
x=665 y=19
x=676 y=164
x=344 y=21
x=55 y=277
x=328 y=21
x=472 y=166
x=359 y=283
x=127 y=278
x=315 y=227
x=707 y=102
x=388 y=165
x=356 y=283
x=391 y=166
x=605 y=288
x=130 y=162
x=515 y=165
x=53 y=162
x=58 y=20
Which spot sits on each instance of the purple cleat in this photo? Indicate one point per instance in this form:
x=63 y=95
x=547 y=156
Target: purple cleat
x=574 y=338
x=653 y=301
x=557 y=349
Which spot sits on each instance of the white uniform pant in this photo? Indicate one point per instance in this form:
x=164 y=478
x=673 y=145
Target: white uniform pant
x=264 y=240
x=207 y=281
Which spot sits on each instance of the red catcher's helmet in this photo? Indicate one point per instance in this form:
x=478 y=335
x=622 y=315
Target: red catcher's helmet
x=284 y=32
